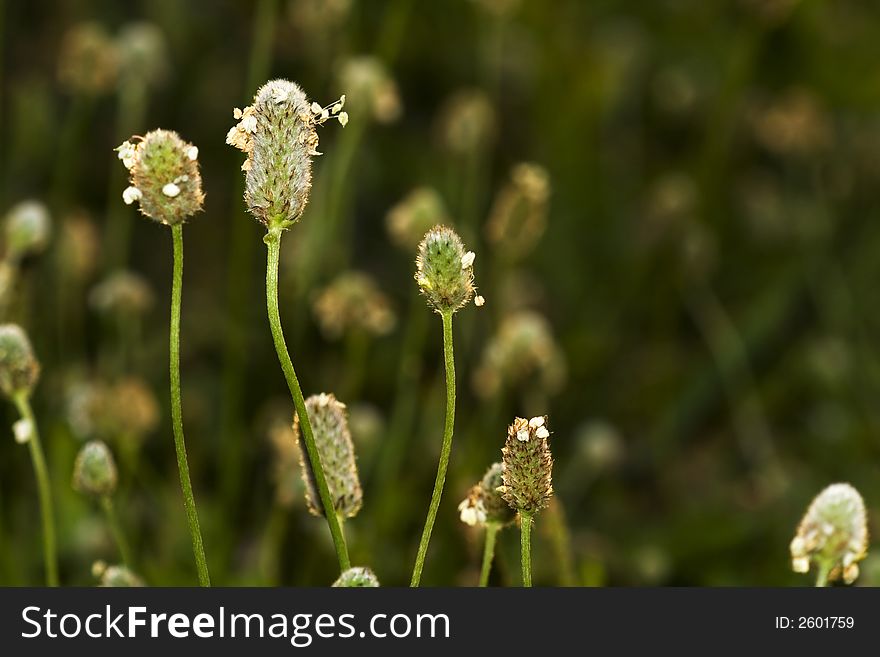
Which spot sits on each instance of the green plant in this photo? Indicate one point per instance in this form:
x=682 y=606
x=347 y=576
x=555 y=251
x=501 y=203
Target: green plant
x=278 y=135
x=19 y=373
x=445 y=276
x=166 y=183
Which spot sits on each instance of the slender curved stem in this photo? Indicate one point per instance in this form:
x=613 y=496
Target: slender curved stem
x=116 y=529
x=47 y=513
x=273 y=242
x=488 y=552
x=822 y=574
x=445 y=450
x=189 y=501
x=525 y=521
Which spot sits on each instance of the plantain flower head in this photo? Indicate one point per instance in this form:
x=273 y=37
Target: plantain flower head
x=94 y=471
x=527 y=472
x=484 y=503
x=445 y=270
x=19 y=369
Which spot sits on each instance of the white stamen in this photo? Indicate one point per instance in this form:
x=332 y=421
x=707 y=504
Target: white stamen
x=23 y=430
x=468 y=259
x=192 y=153
x=522 y=435
x=537 y=421
x=479 y=300
x=131 y=194
x=542 y=433
x=171 y=190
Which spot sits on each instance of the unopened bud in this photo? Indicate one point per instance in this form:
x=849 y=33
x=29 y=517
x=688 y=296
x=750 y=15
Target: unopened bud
x=19 y=369
x=445 y=270
x=94 y=471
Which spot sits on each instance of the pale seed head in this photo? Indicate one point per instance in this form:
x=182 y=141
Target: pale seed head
x=329 y=422
x=445 y=270
x=19 y=369
x=94 y=471
x=484 y=503
x=833 y=534
x=27 y=229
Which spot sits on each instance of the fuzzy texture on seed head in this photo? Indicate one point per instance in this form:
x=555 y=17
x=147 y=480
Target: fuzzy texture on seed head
x=94 y=471
x=833 y=534
x=357 y=577
x=444 y=270
x=484 y=503
x=19 y=369
x=527 y=472
x=164 y=176
x=277 y=132
x=333 y=440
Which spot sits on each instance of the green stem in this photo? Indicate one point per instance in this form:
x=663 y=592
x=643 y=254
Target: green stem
x=116 y=529
x=822 y=574
x=445 y=450
x=525 y=521
x=488 y=552
x=273 y=242
x=189 y=501
x=50 y=555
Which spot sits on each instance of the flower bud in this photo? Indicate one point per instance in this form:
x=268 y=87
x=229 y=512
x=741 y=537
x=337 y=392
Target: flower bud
x=414 y=215
x=444 y=270
x=833 y=534
x=278 y=135
x=94 y=471
x=484 y=503
x=519 y=215
x=27 y=229
x=164 y=176
x=327 y=416
x=357 y=577
x=19 y=369
x=115 y=576
x=353 y=302
x=527 y=470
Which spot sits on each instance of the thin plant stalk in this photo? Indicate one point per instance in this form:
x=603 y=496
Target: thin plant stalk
x=47 y=513
x=525 y=521
x=488 y=552
x=273 y=242
x=445 y=450
x=116 y=530
x=822 y=574
x=189 y=501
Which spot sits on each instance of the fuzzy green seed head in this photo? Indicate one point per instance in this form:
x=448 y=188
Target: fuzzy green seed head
x=353 y=302
x=277 y=132
x=115 y=576
x=445 y=271
x=19 y=369
x=833 y=534
x=333 y=440
x=27 y=229
x=484 y=503
x=164 y=176
x=527 y=472
x=94 y=471
x=357 y=577
x=414 y=215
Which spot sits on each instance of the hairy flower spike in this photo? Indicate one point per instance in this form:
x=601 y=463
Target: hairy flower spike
x=165 y=180
x=333 y=440
x=19 y=369
x=444 y=270
x=94 y=471
x=527 y=472
x=27 y=229
x=357 y=577
x=833 y=534
x=277 y=132
x=484 y=503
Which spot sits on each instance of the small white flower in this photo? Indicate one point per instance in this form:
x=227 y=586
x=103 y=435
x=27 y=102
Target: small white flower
x=522 y=435
x=192 y=153
x=468 y=259
x=279 y=94
x=127 y=152
x=236 y=113
x=171 y=190
x=316 y=109
x=23 y=430
x=249 y=123
x=542 y=433
x=472 y=514
x=343 y=119
x=537 y=421
x=800 y=564
x=131 y=194
x=479 y=300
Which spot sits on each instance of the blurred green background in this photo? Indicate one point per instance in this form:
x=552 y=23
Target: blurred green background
x=683 y=278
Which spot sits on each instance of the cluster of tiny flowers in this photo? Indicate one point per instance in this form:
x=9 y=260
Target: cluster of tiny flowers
x=164 y=176
x=445 y=271
x=833 y=534
x=329 y=422
x=484 y=503
x=277 y=133
x=527 y=466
